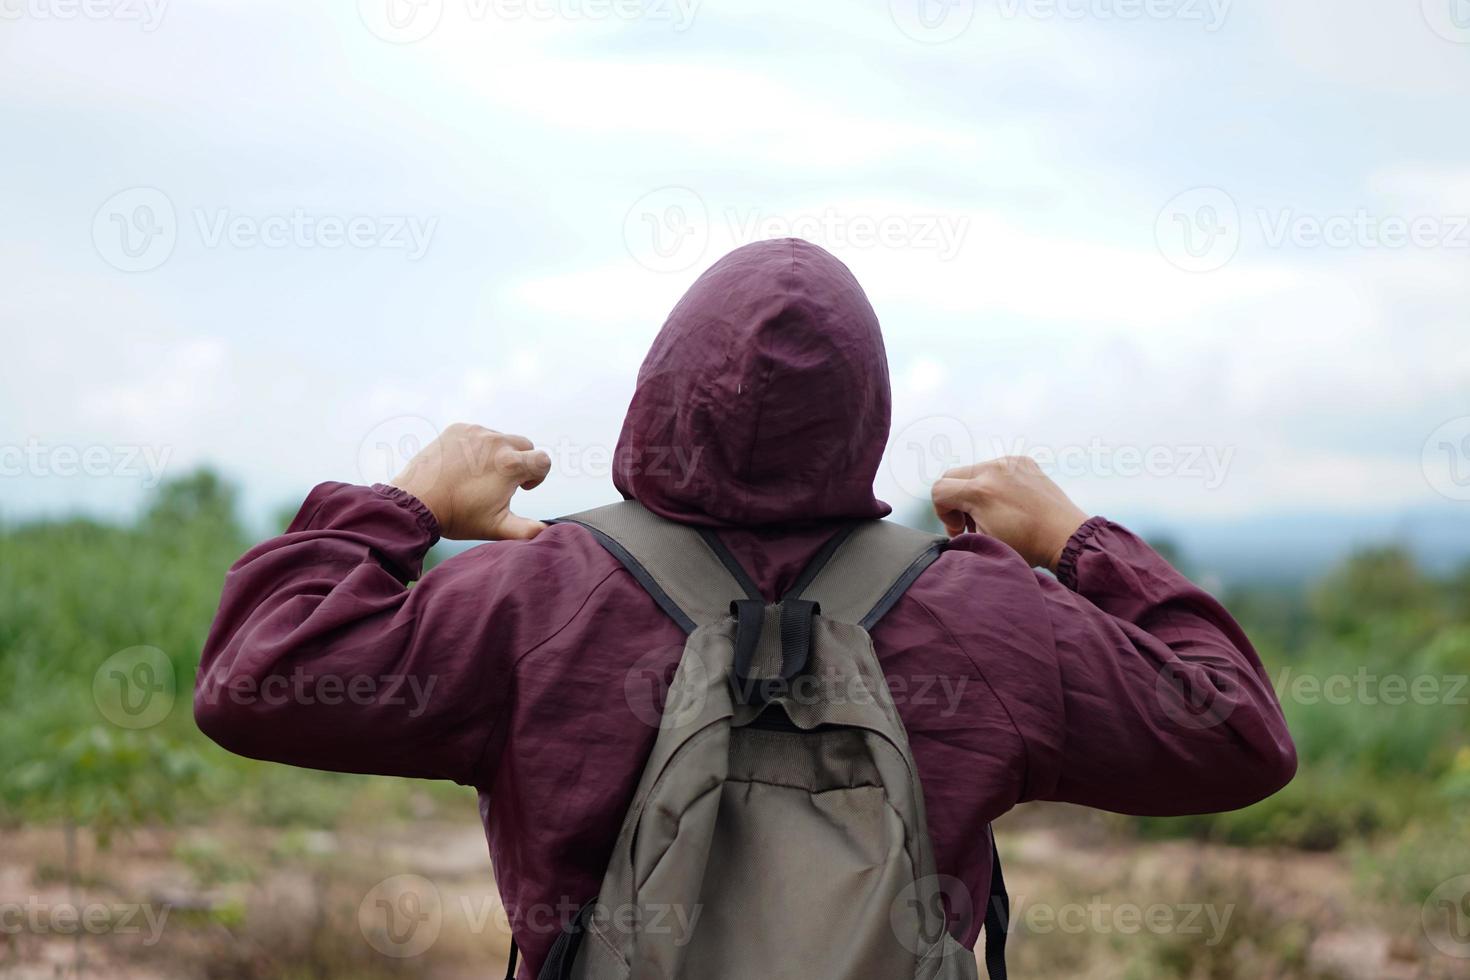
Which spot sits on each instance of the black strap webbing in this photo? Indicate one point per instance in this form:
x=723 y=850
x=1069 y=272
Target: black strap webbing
x=732 y=564
x=997 y=917
x=796 y=647
x=750 y=614
x=819 y=561
x=810 y=571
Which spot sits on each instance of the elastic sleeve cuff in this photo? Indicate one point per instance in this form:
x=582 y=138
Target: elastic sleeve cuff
x=414 y=506
x=1067 y=564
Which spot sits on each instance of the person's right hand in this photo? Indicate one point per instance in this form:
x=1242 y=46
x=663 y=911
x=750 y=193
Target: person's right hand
x=466 y=478
x=1013 y=500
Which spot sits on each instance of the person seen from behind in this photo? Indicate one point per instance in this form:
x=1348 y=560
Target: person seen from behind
x=1042 y=654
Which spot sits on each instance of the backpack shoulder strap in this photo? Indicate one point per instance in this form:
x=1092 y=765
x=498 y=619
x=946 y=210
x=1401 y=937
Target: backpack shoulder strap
x=864 y=571
x=685 y=569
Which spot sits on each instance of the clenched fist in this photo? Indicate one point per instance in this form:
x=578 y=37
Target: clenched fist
x=1010 y=499
x=466 y=478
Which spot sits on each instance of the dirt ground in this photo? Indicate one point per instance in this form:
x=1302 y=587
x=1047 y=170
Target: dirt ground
x=419 y=900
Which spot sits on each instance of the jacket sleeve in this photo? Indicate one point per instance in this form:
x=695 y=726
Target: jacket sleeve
x=321 y=656
x=1167 y=708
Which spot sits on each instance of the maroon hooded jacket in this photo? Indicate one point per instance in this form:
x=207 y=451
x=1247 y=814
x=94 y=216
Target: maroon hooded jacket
x=523 y=668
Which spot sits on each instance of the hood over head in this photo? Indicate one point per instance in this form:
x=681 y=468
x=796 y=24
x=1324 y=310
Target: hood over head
x=765 y=397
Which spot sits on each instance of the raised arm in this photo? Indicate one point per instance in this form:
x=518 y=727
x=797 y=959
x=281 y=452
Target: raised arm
x=1166 y=709
x=321 y=655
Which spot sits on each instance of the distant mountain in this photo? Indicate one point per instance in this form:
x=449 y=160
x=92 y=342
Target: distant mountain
x=1292 y=547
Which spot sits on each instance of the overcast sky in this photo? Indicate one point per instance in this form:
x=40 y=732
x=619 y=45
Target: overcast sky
x=1210 y=259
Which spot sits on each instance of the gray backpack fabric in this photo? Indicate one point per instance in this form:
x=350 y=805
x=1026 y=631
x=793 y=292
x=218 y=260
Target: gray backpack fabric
x=778 y=829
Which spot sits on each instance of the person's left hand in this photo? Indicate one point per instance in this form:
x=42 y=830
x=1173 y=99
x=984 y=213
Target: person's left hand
x=466 y=478
x=1013 y=500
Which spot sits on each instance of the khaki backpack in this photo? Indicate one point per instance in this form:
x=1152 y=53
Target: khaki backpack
x=778 y=830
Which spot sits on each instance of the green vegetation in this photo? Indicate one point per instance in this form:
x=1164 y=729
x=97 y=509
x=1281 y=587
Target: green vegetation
x=1370 y=665
x=77 y=599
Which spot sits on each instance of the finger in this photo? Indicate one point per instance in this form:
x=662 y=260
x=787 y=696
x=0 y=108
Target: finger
x=514 y=527
x=517 y=442
x=540 y=467
x=946 y=507
x=950 y=493
x=955 y=522
x=527 y=468
x=964 y=472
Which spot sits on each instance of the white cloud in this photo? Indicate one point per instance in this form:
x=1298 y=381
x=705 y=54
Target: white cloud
x=1055 y=320
x=1438 y=191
